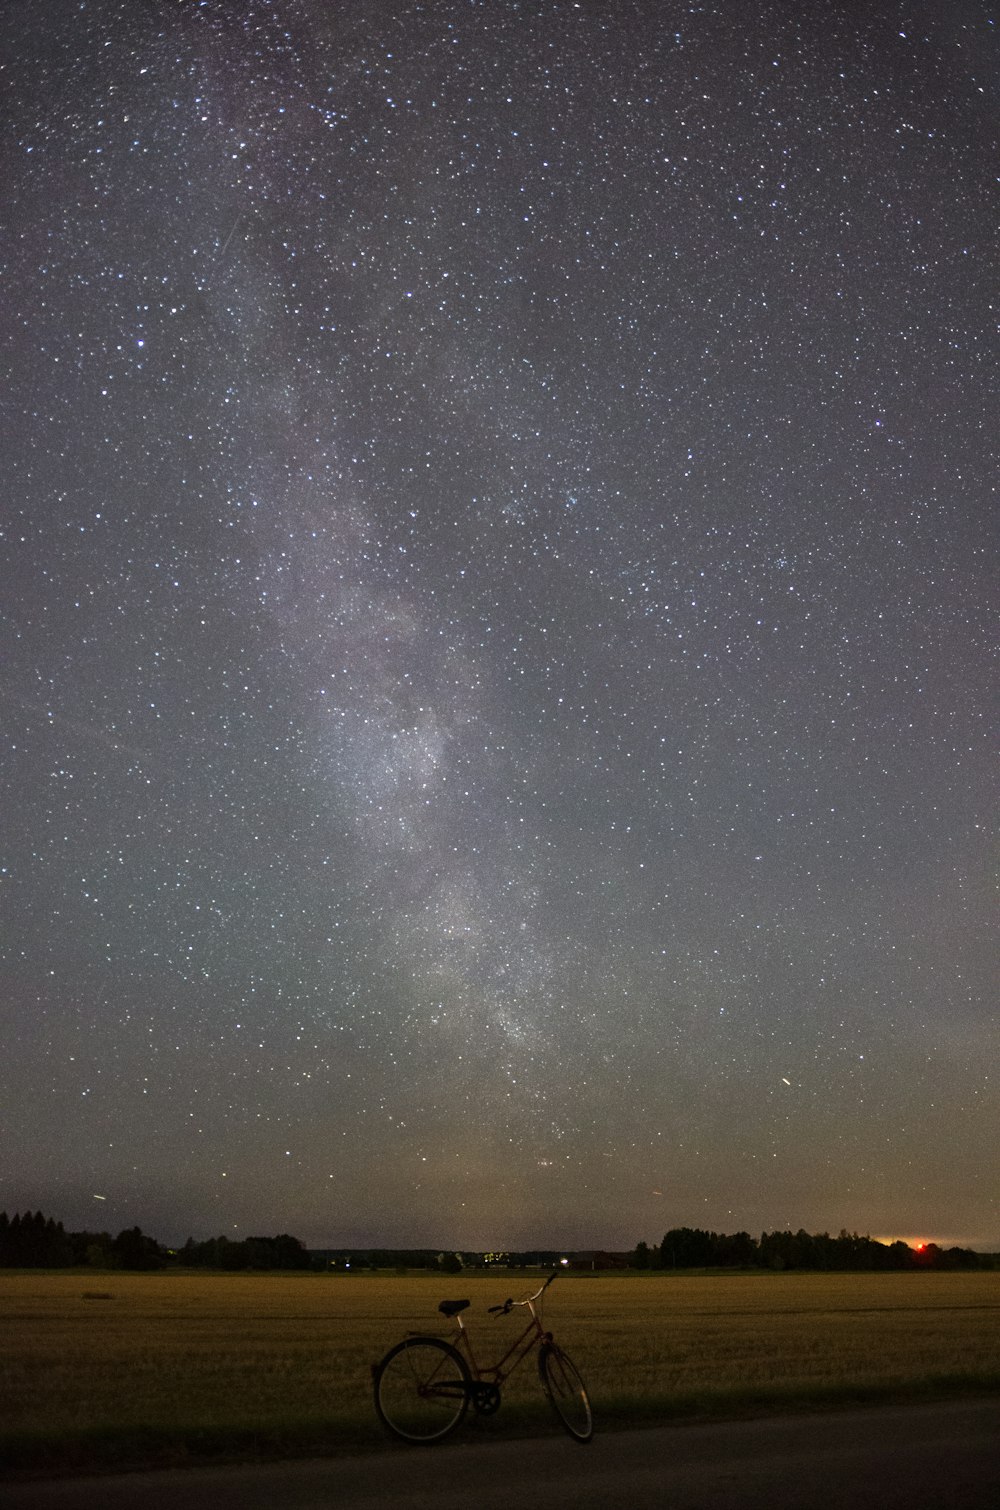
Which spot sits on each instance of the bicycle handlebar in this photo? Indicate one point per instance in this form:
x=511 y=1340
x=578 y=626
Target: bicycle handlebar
x=509 y=1304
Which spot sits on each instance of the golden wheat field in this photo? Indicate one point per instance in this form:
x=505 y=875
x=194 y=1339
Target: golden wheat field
x=282 y=1362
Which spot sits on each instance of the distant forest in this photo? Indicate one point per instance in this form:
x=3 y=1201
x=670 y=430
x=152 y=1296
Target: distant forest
x=693 y=1248
x=34 y=1241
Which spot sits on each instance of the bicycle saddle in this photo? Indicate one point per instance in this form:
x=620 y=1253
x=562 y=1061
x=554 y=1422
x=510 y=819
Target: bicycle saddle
x=452 y=1307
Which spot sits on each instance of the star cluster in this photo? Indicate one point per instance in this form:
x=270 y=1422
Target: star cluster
x=499 y=619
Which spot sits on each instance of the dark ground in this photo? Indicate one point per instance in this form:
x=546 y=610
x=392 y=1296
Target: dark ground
x=944 y=1455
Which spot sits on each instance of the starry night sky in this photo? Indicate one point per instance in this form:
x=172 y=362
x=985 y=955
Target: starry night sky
x=497 y=619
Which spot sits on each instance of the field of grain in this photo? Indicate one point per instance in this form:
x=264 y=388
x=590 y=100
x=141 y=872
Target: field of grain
x=124 y=1367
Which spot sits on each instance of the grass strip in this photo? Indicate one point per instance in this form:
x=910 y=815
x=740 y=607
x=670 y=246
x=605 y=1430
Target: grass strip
x=123 y=1449
x=625 y=1412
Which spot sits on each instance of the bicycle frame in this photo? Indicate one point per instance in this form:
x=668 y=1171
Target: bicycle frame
x=534 y=1335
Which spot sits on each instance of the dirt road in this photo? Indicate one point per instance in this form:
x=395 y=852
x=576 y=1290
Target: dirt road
x=945 y=1456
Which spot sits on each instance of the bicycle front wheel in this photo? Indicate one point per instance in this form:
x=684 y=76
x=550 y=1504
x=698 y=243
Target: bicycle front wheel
x=567 y=1392
x=422 y=1389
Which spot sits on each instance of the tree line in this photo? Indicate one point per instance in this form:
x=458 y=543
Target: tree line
x=34 y=1241
x=694 y=1248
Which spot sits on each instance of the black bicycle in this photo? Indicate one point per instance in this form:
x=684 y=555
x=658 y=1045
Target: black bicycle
x=425 y=1385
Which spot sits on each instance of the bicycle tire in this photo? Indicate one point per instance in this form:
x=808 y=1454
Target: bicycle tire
x=422 y=1390
x=566 y=1392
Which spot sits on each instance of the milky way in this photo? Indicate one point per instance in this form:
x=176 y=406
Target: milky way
x=498 y=619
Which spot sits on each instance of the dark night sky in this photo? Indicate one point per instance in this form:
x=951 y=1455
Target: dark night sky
x=497 y=615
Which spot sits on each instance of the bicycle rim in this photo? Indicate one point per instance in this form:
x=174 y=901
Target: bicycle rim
x=422 y=1389
x=566 y=1391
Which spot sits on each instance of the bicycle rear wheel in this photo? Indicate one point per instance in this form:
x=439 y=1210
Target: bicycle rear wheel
x=422 y=1389
x=567 y=1392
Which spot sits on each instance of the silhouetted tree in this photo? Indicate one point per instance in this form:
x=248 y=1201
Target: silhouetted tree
x=132 y=1249
x=738 y=1251
x=686 y=1248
